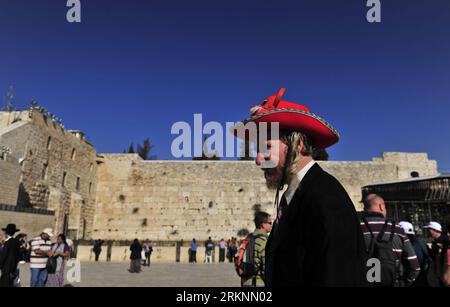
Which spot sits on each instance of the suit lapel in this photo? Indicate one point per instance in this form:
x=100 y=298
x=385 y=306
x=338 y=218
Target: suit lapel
x=284 y=222
x=291 y=213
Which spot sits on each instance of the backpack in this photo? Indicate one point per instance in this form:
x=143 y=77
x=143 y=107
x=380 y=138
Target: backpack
x=52 y=263
x=383 y=251
x=244 y=262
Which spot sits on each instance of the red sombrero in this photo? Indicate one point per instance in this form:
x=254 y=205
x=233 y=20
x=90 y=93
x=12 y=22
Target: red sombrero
x=293 y=117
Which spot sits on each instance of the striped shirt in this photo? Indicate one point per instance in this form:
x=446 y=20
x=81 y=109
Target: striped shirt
x=401 y=245
x=39 y=261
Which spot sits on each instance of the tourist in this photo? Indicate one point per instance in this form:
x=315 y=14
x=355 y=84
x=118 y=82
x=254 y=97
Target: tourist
x=315 y=215
x=9 y=257
x=40 y=251
x=399 y=264
x=228 y=256
x=135 y=257
x=97 y=248
x=230 y=250
x=420 y=247
x=209 y=249
x=222 y=250
x=194 y=247
x=421 y=250
x=263 y=223
x=24 y=248
x=61 y=252
x=148 y=249
x=71 y=246
x=446 y=278
x=237 y=244
x=109 y=245
x=438 y=254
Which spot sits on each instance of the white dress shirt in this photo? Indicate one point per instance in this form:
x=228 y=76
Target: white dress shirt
x=296 y=180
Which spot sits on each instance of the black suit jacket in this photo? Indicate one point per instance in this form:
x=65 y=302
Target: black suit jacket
x=318 y=240
x=9 y=256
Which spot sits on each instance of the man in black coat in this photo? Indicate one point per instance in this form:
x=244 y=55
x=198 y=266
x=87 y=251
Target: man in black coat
x=9 y=257
x=316 y=239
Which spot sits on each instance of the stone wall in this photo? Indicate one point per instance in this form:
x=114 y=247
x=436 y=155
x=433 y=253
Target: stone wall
x=29 y=223
x=56 y=164
x=9 y=178
x=407 y=163
x=175 y=200
x=8 y=118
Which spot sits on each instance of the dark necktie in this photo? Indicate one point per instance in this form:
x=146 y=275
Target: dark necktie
x=282 y=207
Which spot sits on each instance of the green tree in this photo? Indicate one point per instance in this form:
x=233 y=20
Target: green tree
x=144 y=150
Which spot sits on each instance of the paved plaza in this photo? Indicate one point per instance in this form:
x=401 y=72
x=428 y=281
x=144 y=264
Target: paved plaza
x=158 y=275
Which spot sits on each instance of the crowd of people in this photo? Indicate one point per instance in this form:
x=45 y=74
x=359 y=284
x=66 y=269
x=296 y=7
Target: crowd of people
x=137 y=249
x=140 y=253
x=46 y=257
x=227 y=250
x=406 y=259
x=318 y=238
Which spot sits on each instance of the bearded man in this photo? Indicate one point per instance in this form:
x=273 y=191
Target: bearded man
x=316 y=238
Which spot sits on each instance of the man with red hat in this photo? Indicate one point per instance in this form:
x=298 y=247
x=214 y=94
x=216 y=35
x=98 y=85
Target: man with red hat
x=316 y=239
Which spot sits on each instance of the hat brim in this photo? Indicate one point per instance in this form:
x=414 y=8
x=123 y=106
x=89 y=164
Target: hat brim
x=321 y=133
x=6 y=229
x=431 y=227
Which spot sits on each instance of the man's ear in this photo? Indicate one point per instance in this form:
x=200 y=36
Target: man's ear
x=300 y=146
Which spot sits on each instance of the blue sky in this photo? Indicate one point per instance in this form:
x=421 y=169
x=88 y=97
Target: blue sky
x=133 y=68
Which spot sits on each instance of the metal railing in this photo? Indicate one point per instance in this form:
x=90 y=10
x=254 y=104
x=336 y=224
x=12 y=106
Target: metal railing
x=4 y=207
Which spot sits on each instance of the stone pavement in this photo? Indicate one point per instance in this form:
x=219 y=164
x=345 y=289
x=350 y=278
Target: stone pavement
x=158 y=275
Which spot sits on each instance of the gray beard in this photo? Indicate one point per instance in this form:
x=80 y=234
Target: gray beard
x=272 y=185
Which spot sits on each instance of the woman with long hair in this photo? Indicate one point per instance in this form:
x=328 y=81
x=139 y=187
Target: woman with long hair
x=61 y=251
